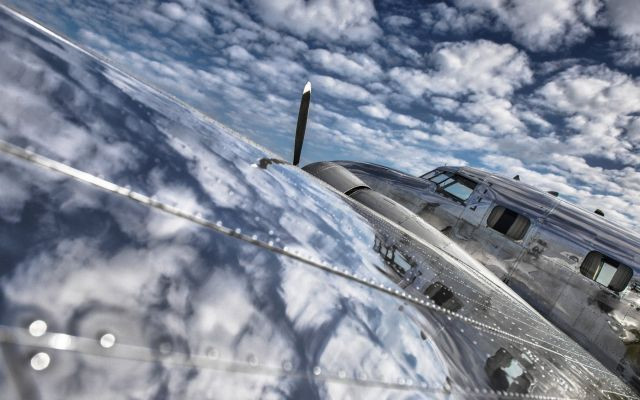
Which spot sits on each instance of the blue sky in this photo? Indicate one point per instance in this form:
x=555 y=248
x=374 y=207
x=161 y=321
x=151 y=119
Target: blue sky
x=546 y=89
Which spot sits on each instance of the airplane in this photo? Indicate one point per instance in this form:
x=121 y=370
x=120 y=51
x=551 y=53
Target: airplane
x=572 y=266
x=147 y=251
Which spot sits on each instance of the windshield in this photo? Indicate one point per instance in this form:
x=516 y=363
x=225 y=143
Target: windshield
x=451 y=184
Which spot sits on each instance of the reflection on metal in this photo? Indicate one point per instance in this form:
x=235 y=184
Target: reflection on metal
x=442 y=296
x=393 y=258
x=543 y=262
x=264 y=162
x=507 y=373
x=60 y=341
x=338 y=177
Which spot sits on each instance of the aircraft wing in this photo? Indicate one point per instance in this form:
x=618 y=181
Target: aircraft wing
x=147 y=251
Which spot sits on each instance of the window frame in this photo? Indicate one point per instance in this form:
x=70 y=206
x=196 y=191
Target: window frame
x=605 y=260
x=518 y=239
x=455 y=178
x=456 y=181
x=436 y=171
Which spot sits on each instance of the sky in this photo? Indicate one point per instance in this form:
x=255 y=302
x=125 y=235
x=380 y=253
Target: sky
x=544 y=89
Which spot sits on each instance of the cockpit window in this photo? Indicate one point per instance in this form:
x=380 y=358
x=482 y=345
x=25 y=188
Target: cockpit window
x=431 y=174
x=460 y=189
x=508 y=222
x=440 y=177
x=454 y=185
x=606 y=271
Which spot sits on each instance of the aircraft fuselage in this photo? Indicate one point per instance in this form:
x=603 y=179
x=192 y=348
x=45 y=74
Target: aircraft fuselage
x=573 y=266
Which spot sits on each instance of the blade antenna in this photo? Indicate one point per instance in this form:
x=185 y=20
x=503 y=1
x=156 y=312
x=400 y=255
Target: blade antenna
x=302 y=122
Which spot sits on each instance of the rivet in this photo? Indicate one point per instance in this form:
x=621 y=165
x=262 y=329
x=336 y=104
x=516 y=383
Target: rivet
x=107 y=340
x=40 y=361
x=38 y=328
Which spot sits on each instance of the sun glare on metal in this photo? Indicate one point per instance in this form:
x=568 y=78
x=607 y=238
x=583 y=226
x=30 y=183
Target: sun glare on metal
x=107 y=340
x=60 y=341
x=38 y=328
x=40 y=361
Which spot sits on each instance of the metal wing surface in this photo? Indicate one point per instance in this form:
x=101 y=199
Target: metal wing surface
x=146 y=251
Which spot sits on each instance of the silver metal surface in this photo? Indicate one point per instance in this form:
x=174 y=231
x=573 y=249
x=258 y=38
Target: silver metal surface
x=149 y=252
x=544 y=266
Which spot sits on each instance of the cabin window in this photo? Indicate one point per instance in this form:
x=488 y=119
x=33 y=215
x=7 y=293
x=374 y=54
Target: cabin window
x=606 y=271
x=508 y=222
x=453 y=185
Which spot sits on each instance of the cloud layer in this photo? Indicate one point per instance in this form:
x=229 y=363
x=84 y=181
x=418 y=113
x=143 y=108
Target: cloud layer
x=545 y=89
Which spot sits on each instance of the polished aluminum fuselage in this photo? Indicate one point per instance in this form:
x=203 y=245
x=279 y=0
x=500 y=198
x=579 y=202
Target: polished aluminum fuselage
x=543 y=267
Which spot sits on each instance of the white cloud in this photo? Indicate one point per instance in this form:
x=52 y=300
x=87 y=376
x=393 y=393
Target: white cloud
x=252 y=72
x=198 y=22
x=398 y=21
x=444 y=104
x=407 y=52
x=173 y=10
x=239 y=53
x=598 y=105
x=340 y=89
x=543 y=24
x=468 y=67
x=405 y=120
x=95 y=40
x=377 y=110
x=324 y=19
x=633 y=131
x=444 y=19
x=592 y=90
x=189 y=19
x=380 y=111
x=499 y=113
x=452 y=136
x=545 y=181
x=623 y=17
x=355 y=66
x=278 y=70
